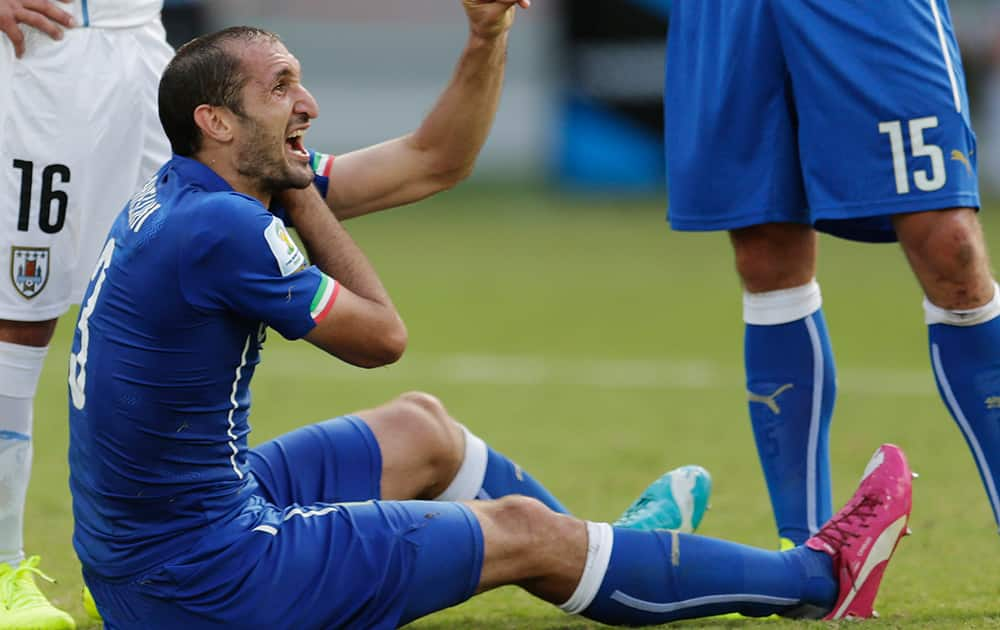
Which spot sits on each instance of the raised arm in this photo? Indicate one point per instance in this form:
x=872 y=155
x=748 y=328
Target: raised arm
x=443 y=150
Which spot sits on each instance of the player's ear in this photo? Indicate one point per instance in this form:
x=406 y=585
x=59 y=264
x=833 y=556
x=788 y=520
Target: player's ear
x=215 y=122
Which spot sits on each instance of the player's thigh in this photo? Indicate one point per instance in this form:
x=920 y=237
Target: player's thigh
x=326 y=462
x=882 y=110
x=68 y=163
x=362 y=565
x=732 y=156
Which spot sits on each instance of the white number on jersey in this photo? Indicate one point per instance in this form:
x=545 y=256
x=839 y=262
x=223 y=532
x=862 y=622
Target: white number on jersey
x=78 y=360
x=927 y=183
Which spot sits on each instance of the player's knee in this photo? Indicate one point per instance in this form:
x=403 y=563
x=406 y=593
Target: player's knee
x=951 y=246
x=440 y=438
x=526 y=517
x=428 y=403
x=774 y=256
x=35 y=334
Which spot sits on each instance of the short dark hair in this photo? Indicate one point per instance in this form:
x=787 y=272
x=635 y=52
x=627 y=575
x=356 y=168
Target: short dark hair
x=205 y=71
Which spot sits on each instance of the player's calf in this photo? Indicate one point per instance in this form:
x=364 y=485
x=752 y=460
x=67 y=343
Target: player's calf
x=948 y=254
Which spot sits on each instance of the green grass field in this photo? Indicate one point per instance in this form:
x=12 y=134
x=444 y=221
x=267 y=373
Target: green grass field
x=597 y=348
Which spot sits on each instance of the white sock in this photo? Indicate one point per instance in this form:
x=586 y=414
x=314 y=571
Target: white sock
x=600 y=541
x=468 y=480
x=20 y=367
x=782 y=306
x=934 y=314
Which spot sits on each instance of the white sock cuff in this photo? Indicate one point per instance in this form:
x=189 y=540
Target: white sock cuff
x=600 y=541
x=782 y=306
x=468 y=480
x=937 y=315
x=20 y=367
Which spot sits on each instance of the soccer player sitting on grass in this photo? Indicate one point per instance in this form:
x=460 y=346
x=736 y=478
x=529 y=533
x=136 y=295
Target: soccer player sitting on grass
x=180 y=524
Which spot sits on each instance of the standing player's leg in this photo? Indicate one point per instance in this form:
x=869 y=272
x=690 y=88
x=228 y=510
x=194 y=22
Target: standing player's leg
x=899 y=144
x=948 y=254
x=57 y=207
x=23 y=346
x=791 y=384
x=727 y=95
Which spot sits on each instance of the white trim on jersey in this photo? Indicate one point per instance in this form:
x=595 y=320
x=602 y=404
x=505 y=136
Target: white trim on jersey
x=815 y=421
x=232 y=410
x=947 y=56
x=310 y=513
x=963 y=423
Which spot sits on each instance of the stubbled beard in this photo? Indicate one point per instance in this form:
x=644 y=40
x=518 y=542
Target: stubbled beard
x=261 y=157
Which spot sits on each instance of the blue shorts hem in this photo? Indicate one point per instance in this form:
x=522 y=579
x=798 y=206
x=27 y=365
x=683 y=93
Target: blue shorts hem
x=732 y=222
x=845 y=213
x=865 y=210
x=480 y=549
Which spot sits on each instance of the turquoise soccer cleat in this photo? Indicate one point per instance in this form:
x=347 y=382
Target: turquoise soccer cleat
x=677 y=500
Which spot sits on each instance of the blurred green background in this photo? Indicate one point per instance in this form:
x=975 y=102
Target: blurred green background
x=597 y=348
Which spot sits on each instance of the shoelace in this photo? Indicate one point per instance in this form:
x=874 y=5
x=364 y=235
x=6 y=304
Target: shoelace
x=17 y=589
x=837 y=532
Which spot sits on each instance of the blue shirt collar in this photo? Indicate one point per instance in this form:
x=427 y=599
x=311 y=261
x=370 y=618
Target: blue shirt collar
x=198 y=173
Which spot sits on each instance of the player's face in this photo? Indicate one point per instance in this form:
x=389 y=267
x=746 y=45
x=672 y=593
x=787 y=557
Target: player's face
x=270 y=147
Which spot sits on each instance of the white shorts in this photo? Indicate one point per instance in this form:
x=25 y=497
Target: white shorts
x=80 y=134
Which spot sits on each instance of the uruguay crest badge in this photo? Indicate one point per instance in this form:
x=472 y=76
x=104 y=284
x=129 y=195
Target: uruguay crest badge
x=29 y=269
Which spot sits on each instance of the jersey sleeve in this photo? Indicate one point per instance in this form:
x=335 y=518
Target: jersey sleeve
x=242 y=260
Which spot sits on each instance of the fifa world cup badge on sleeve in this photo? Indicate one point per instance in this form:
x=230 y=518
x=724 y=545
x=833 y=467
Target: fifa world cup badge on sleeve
x=29 y=269
x=286 y=252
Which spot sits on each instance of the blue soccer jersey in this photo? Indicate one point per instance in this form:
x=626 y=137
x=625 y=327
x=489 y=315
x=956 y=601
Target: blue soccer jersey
x=166 y=343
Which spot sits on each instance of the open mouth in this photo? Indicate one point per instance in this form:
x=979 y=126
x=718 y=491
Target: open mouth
x=295 y=145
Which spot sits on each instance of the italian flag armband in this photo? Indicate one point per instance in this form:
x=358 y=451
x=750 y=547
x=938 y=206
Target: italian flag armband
x=323 y=299
x=321 y=164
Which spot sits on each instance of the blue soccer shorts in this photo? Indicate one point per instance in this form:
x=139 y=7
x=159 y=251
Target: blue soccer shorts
x=311 y=549
x=837 y=114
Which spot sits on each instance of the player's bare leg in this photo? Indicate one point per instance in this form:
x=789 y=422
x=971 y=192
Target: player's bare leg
x=790 y=373
x=947 y=252
x=23 y=346
x=774 y=256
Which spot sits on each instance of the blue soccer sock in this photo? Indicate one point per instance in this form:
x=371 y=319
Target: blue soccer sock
x=791 y=385
x=639 y=578
x=487 y=474
x=965 y=356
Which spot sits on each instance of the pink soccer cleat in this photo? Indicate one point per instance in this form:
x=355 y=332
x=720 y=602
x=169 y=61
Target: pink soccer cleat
x=862 y=536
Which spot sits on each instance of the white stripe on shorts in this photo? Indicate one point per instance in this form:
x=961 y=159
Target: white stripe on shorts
x=947 y=56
